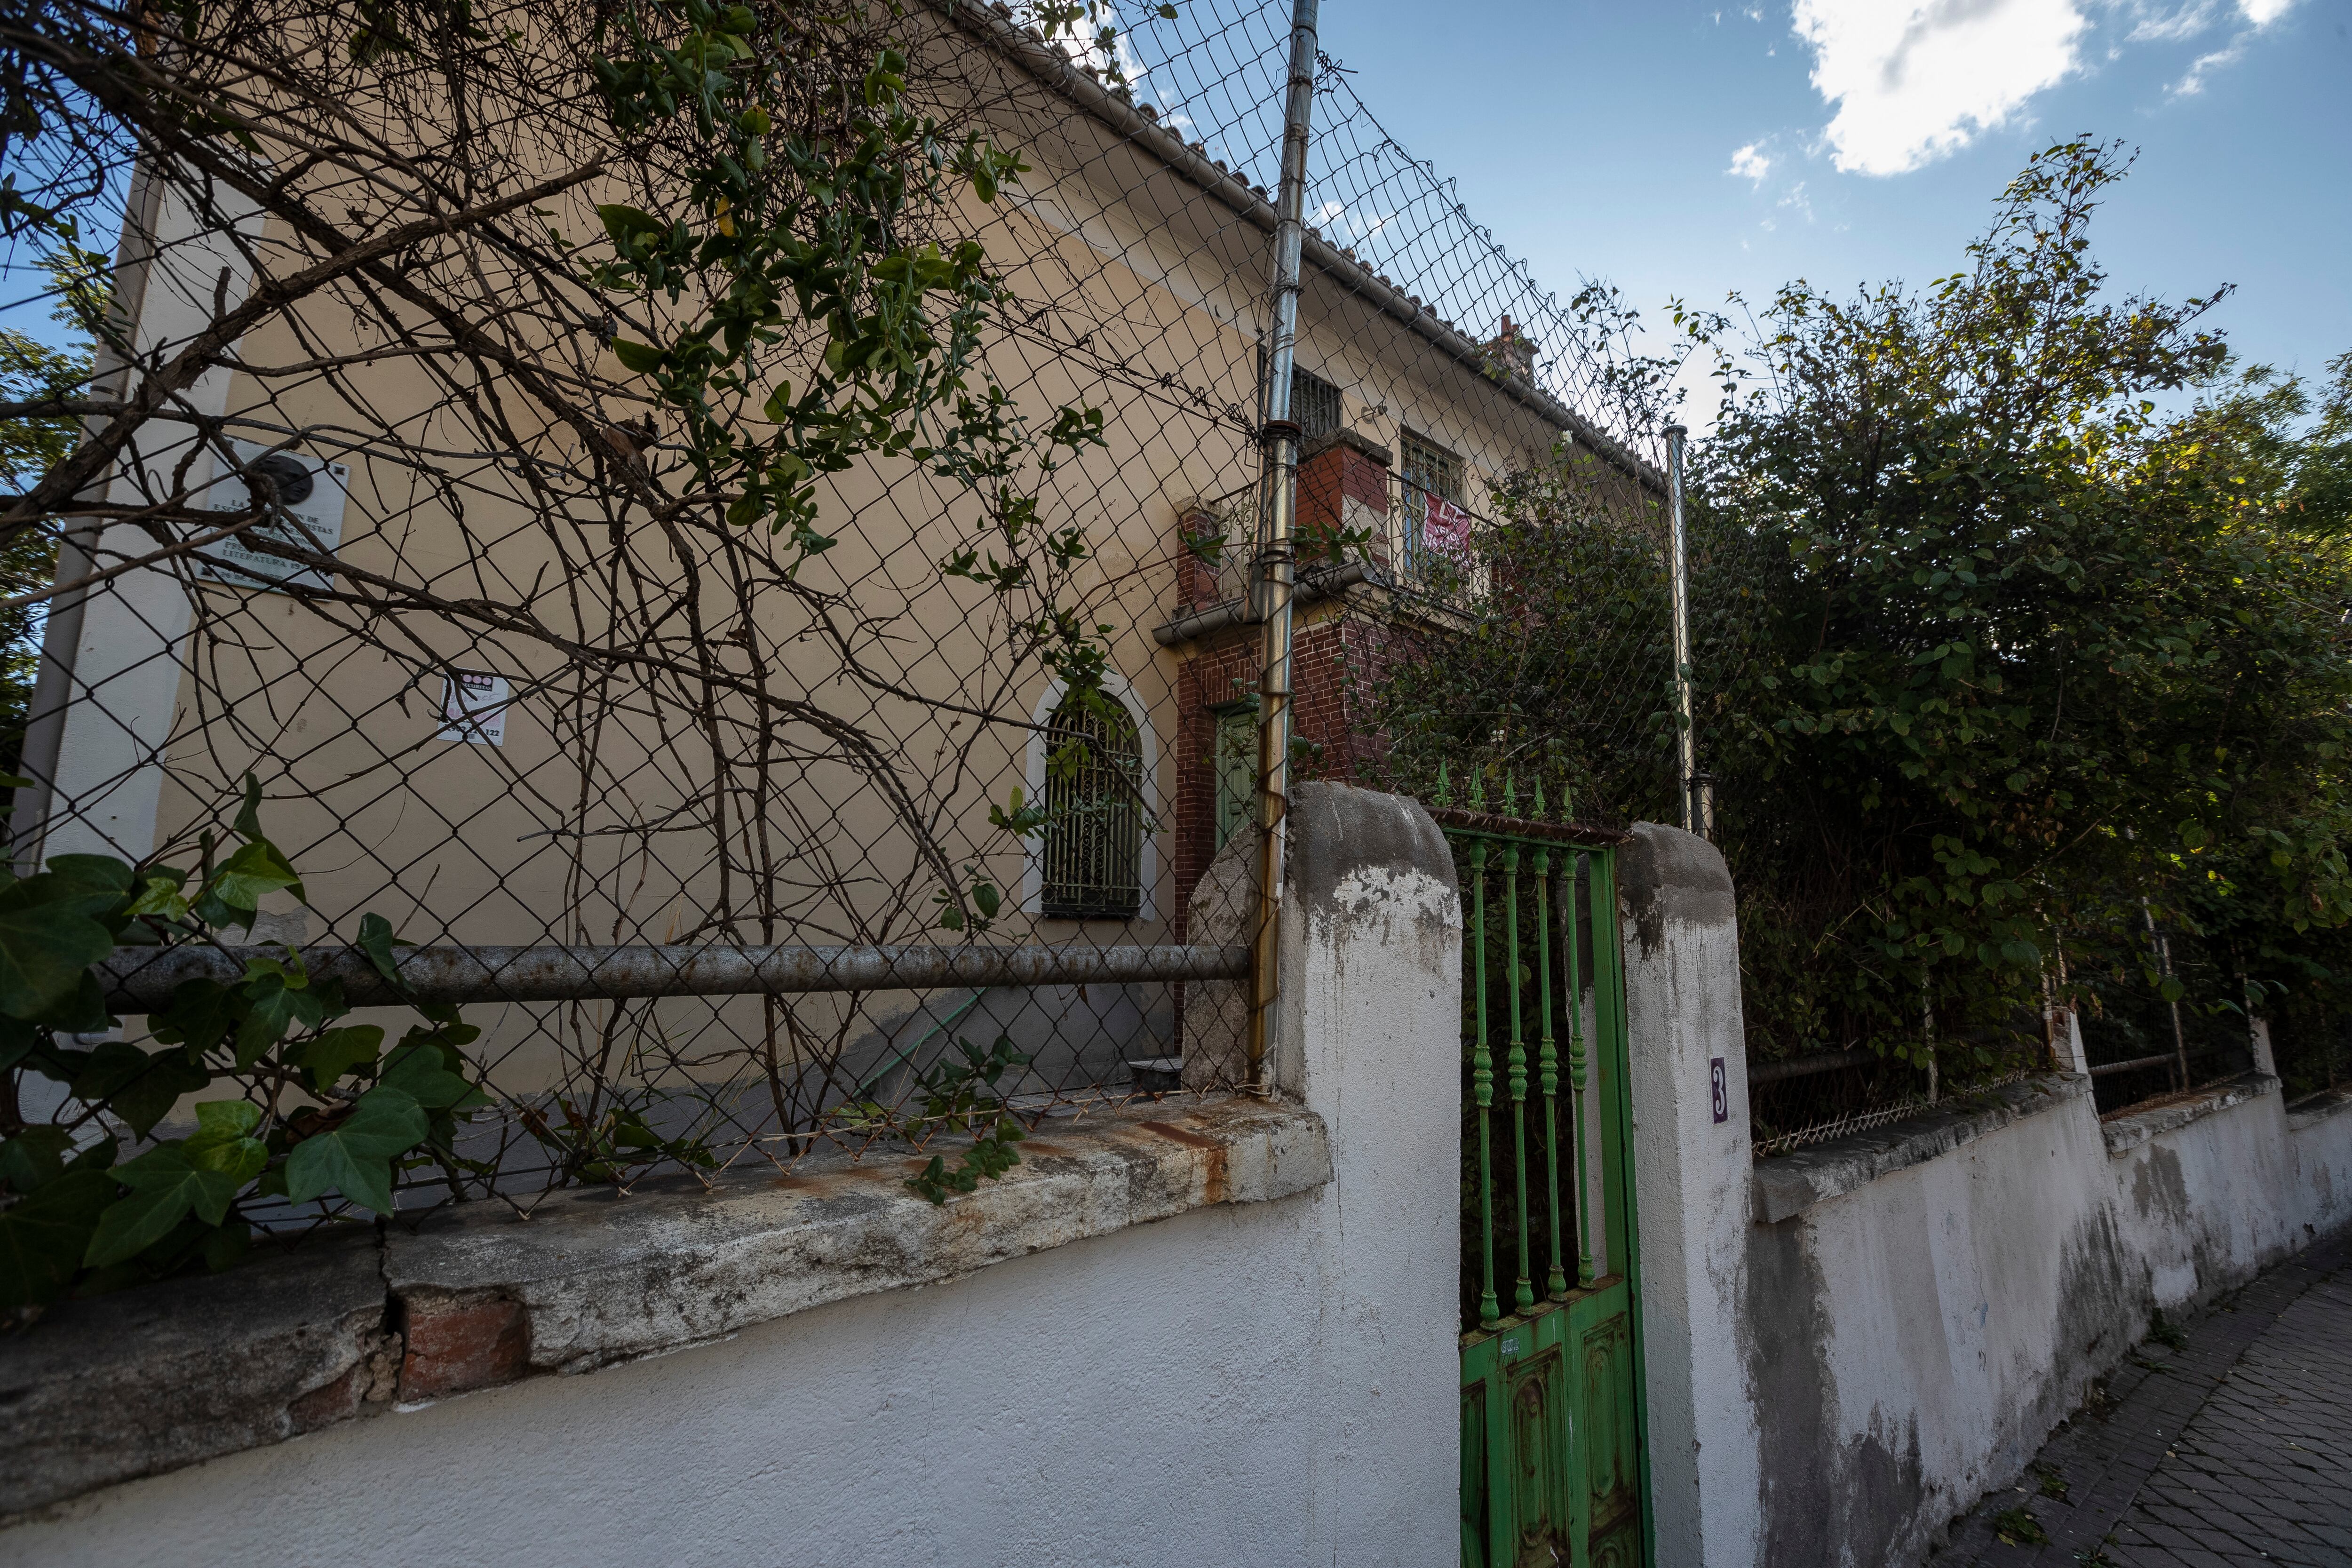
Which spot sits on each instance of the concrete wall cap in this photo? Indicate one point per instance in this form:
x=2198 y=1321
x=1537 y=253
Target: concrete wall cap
x=1355 y=440
x=2126 y=1131
x=1664 y=873
x=1338 y=829
x=147 y=1381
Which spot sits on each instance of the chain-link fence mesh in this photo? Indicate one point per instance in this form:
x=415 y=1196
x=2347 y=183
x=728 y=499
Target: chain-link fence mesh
x=398 y=492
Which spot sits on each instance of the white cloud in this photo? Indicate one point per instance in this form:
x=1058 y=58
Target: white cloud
x=2259 y=14
x=1914 y=81
x=1749 y=164
x=2203 y=65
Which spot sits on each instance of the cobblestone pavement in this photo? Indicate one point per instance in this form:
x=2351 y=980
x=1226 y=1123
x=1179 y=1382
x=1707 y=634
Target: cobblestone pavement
x=2234 y=1446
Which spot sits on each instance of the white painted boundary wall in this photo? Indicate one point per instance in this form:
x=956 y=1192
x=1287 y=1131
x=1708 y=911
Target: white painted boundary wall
x=1831 y=1387
x=1270 y=1383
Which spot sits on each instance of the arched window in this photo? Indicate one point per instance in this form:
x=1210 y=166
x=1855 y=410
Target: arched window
x=1092 y=855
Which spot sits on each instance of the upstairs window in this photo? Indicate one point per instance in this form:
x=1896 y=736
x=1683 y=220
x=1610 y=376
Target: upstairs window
x=1314 y=404
x=1429 y=469
x=1435 y=526
x=1092 y=855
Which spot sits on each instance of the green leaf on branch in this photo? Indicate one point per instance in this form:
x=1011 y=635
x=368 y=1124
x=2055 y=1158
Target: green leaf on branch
x=638 y=357
x=625 y=223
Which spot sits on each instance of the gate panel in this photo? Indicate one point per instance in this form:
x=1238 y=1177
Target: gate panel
x=1553 y=1464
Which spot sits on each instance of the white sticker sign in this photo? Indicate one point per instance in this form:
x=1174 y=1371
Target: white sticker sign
x=310 y=516
x=474 y=708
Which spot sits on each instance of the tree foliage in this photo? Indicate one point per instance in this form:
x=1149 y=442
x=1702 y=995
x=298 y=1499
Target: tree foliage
x=2016 y=602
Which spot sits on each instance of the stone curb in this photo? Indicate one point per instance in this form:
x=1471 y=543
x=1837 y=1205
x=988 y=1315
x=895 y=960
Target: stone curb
x=146 y=1381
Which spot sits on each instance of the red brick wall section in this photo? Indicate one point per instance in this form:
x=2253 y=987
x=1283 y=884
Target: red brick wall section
x=1336 y=662
x=1217 y=675
x=1196 y=580
x=1338 y=472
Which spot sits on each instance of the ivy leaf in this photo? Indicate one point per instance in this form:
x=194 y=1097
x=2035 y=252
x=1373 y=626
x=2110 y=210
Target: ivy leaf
x=165 y=1187
x=224 y=1139
x=137 y=1087
x=248 y=815
x=328 y=1058
x=422 y=1073
x=256 y=868
x=354 y=1157
x=270 y=1012
x=34 y=1158
x=50 y=936
x=376 y=940
x=91 y=873
x=43 y=1238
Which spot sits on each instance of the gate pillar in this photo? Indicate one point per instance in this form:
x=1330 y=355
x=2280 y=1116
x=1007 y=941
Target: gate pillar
x=1692 y=1181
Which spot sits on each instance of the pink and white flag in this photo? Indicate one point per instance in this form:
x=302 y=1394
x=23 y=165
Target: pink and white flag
x=1446 y=527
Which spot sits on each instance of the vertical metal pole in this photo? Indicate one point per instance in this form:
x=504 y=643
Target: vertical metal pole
x=1277 y=507
x=44 y=727
x=1696 y=811
x=2164 y=967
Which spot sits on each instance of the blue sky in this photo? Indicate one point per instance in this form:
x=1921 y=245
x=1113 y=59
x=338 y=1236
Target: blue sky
x=1681 y=149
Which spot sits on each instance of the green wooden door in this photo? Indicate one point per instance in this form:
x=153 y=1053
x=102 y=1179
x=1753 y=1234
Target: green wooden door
x=1553 y=1466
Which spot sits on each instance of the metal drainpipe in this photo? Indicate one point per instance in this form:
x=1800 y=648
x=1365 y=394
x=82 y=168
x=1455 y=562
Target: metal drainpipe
x=44 y=728
x=1277 y=508
x=1698 y=806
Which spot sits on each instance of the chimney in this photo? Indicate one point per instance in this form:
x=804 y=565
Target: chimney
x=1513 y=353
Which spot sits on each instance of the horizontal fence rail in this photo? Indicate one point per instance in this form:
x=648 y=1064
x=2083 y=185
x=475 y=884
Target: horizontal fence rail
x=1762 y=1073
x=137 y=980
x=2161 y=1059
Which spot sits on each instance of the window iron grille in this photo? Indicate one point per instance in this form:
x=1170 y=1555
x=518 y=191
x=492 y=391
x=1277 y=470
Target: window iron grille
x=1234 y=766
x=1314 y=404
x=1093 y=836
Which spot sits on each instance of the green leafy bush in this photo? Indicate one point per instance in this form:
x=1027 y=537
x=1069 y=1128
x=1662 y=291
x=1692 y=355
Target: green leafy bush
x=305 y=1109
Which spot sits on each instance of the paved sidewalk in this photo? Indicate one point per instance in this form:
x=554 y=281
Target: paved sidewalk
x=2234 y=1446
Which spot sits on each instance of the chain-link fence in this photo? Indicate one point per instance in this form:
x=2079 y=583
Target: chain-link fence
x=565 y=580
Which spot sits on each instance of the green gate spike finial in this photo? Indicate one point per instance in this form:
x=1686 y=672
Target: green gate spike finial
x=1511 y=795
x=1478 y=789
x=1538 y=813
x=1445 y=785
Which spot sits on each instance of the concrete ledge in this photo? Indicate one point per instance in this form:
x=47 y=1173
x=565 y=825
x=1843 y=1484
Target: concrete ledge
x=1787 y=1185
x=2314 y=1108
x=148 y=1380
x=2126 y=1131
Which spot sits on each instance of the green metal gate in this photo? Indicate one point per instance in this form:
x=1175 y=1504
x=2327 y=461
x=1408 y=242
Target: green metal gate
x=1553 y=1464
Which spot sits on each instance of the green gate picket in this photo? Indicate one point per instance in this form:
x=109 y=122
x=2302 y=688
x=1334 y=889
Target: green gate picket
x=1552 y=1463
